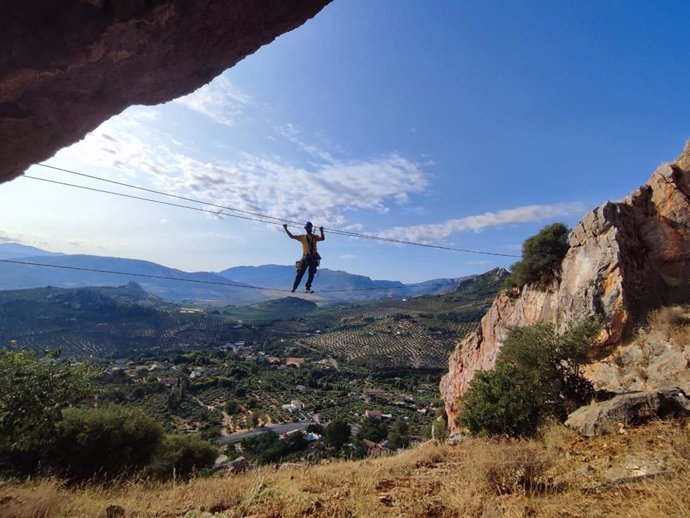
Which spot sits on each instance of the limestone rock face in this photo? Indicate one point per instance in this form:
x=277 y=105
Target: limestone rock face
x=625 y=258
x=68 y=65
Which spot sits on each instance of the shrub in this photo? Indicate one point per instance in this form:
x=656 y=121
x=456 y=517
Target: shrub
x=182 y=456
x=542 y=255
x=552 y=362
x=537 y=375
x=104 y=442
x=499 y=402
x=33 y=392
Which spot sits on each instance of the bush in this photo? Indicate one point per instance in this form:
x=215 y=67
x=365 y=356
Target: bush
x=542 y=255
x=499 y=402
x=537 y=375
x=180 y=456
x=104 y=442
x=552 y=362
x=33 y=392
x=267 y=447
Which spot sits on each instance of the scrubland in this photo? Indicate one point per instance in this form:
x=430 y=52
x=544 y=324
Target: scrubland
x=559 y=474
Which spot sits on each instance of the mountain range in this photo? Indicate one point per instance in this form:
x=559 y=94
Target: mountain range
x=237 y=286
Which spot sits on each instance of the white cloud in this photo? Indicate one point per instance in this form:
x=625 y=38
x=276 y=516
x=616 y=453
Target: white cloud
x=292 y=133
x=257 y=183
x=528 y=214
x=220 y=101
x=325 y=193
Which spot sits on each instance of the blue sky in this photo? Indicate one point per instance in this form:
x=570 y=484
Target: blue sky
x=466 y=124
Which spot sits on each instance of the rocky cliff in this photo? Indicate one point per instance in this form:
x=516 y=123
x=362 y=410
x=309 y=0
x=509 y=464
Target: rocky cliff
x=625 y=258
x=68 y=65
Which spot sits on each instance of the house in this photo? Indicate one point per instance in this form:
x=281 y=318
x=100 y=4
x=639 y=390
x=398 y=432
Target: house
x=294 y=406
x=169 y=382
x=272 y=359
x=197 y=372
x=373 y=414
x=374 y=391
x=294 y=362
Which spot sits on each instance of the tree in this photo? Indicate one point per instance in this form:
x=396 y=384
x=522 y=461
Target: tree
x=33 y=393
x=373 y=429
x=542 y=255
x=182 y=456
x=537 y=375
x=552 y=361
x=337 y=433
x=104 y=442
x=231 y=407
x=500 y=402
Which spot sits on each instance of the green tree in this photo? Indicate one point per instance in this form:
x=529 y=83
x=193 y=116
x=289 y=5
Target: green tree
x=181 y=456
x=337 y=433
x=231 y=407
x=499 y=402
x=104 y=442
x=373 y=429
x=552 y=361
x=542 y=255
x=537 y=375
x=33 y=393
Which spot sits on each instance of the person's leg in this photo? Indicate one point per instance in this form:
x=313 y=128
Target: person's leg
x=312 y=272
x=300 y=273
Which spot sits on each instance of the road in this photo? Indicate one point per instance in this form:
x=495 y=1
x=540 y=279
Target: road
x=275 y=428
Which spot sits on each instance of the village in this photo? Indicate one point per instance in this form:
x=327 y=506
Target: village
x=238 y=390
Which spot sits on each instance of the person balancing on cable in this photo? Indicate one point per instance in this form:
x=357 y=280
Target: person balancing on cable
x=310 y=256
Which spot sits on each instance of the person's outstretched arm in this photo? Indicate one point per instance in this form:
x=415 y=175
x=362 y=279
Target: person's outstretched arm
x=322 y=235
x=288 y=232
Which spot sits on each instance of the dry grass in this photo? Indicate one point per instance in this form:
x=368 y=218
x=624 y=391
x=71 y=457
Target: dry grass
x=673 y=322
x=558 y=475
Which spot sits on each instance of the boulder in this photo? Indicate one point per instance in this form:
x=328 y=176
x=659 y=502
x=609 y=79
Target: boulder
x=631 y=408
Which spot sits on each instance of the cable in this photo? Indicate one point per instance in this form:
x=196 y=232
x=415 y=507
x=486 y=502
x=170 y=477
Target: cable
x=162 y=193
x=263 y=217
x=141 y=198
x=199 y=281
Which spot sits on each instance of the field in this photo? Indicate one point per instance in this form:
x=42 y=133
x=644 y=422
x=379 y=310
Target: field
x=417 y=335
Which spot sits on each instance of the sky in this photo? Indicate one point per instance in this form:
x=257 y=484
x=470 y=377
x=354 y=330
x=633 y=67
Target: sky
x=463 y=124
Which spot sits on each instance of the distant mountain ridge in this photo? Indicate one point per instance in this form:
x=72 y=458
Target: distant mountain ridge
x=235 y=286
x=17 y=251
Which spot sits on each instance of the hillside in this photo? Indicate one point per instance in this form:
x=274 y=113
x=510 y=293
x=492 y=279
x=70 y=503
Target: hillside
x=102 y=321
x=560 y=475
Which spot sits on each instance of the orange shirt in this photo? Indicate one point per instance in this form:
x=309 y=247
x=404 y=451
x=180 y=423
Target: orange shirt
x=305 y=238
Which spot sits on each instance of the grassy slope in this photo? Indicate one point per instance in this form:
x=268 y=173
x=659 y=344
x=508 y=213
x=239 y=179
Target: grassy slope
x=559 y=475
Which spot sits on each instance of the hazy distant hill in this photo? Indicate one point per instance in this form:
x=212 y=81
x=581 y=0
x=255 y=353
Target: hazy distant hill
x=17 y=251
x=337 y=284
x=223 y=288
x=16 y=276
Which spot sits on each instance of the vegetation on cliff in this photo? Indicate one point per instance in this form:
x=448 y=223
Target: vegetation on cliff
x=537 y=376
x=542 y=255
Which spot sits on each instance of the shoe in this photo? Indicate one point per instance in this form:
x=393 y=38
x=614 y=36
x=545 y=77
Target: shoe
x=309 y=291
x=292 y=290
